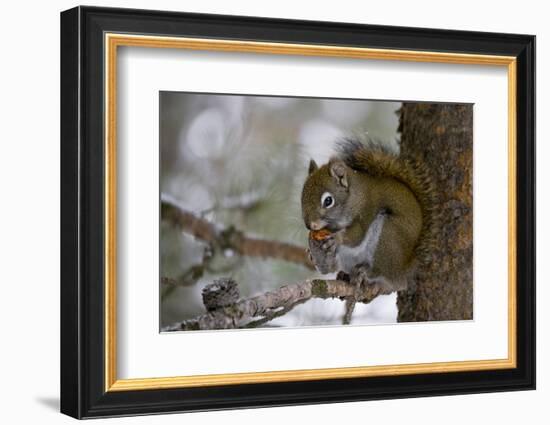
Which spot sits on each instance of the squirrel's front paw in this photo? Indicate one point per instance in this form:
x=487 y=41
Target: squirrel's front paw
x=323 y=254
x=329 y=245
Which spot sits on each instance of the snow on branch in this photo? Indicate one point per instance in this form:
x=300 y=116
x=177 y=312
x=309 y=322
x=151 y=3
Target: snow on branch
x=231 y=238
x=226 y=311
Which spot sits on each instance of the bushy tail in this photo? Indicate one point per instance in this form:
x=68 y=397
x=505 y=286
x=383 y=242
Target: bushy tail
x=373 y=158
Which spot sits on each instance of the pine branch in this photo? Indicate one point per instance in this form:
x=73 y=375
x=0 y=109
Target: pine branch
x=260 y=309
x=230 y=238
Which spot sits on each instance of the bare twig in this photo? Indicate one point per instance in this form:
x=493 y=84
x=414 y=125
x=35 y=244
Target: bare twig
x=188 y=278
x=230 y=238
x=192 y=274
x=257 y=310
x=350 y=307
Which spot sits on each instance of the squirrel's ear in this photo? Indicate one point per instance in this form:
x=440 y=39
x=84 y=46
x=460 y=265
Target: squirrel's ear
x=312 y=166
x=338 y=170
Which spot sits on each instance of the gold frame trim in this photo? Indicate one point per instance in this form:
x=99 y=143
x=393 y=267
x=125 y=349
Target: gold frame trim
x=113 y=41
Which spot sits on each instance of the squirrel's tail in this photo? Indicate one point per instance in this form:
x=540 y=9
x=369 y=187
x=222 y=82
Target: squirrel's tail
x=373 y=158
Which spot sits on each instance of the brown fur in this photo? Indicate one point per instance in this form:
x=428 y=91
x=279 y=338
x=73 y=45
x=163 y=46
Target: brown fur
x=375 y=161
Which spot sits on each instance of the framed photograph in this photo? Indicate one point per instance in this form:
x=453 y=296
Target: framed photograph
x=261 y=212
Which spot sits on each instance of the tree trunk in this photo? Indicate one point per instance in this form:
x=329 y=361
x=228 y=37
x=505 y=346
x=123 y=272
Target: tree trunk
x=441 y=135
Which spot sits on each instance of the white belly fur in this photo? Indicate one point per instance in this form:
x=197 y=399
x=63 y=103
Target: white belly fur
x=363 y=253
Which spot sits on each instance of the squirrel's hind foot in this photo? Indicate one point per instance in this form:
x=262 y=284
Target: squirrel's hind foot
x=367 y=287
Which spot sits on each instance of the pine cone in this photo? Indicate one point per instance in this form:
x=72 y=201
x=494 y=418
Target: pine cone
x=221 y=293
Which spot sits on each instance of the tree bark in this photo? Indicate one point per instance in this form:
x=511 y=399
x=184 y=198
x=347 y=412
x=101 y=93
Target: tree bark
x=441 y=135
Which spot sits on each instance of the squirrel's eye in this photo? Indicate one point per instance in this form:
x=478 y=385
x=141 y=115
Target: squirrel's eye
x=327 y=200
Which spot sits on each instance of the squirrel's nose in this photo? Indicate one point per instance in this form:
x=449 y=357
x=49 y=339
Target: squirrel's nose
x=317 y=225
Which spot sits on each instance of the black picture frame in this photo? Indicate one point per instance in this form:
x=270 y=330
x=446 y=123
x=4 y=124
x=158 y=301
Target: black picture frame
x=83 y=392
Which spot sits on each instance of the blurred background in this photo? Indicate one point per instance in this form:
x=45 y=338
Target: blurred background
x=241 y=161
